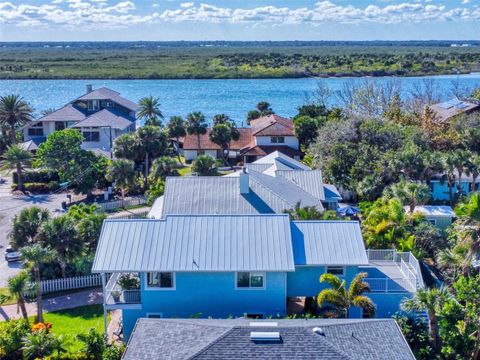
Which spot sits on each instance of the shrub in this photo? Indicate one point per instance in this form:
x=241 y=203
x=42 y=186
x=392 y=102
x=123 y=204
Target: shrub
x=38 y=176
x=204 y=165
x=39 y=188
x=54 y=185
x=129 y=281
x=11 y=334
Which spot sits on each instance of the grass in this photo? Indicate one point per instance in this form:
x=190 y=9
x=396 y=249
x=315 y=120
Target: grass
x=4 y=292
x=184 y=171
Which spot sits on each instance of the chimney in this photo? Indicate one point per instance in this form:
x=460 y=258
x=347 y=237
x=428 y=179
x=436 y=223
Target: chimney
x=89 y=88
x=244 y=181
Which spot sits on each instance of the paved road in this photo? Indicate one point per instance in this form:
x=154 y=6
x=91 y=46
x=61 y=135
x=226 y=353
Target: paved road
x=11 y=205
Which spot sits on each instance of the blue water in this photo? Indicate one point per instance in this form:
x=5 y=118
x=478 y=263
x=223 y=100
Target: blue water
x=232 y=97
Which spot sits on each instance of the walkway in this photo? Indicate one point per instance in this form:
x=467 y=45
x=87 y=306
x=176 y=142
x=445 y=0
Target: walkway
x=82 y=298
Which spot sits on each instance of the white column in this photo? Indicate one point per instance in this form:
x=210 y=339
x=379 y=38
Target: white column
x=105 y=324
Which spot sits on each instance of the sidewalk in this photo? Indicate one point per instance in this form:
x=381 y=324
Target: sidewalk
x=82 y=298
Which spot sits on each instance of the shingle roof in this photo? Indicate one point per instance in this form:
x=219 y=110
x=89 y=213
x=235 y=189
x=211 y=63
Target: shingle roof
x=328 y=243
x=230 y=339
x=68 y=112
x=107 y=117
x=104 y=93
x=196 y=243
x=190 y=142
x=272 y=125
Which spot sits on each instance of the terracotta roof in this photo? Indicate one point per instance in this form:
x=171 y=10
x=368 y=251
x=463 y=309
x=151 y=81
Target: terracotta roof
x=272 y=125
x=191 y=141
x=265 y=150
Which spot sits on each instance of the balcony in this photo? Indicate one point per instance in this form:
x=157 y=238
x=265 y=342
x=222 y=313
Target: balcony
x=393 y=272
x=122 y=297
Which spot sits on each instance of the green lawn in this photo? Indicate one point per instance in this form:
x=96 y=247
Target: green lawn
x=4 y=292
x=186 y=170
x=72 y=322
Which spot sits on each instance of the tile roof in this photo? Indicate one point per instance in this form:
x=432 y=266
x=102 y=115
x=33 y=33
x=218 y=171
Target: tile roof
x=196 y=243
x=107 y=117
x=272 y=125
x=190 y=142
x=348 y=339
x=328 y=243
x=448 y=109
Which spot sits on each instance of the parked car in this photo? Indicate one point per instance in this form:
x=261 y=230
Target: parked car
x=11 y=255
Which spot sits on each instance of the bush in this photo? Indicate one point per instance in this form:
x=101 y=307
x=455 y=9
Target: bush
x=204 y=165
x=11 y=334
x=54 y=185
x=37 y=176
x=38 y=188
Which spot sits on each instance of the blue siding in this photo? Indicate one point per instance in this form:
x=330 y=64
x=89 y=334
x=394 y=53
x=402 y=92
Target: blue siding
x=440 y=189
x=305 y=281
x=210 y=295
x=387 y=304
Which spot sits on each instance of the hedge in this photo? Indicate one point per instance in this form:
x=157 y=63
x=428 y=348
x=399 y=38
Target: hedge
x=37 y=176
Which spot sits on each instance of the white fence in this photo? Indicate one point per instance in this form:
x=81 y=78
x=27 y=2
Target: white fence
x=79 y=282
x=390 y=285
x=116 y=204
x=132 y=215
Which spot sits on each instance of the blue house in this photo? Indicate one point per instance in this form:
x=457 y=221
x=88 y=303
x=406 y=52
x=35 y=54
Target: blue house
x=441 y=191
x=251 y=265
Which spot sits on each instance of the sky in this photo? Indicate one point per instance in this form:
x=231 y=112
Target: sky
x=164 y=20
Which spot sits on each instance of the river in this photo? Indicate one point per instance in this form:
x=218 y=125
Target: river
x=234 y=97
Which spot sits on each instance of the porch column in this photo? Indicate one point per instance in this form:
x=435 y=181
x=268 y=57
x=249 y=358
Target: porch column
x=105 y=324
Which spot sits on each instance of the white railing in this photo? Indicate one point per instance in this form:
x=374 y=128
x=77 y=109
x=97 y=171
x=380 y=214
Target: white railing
x=116 y=204
x=73 y=283
x=381 y=255
x=413 y=261
x=132 y=215
x=390 y=285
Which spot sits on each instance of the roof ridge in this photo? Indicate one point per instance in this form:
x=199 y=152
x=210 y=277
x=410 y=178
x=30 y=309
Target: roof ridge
x=210 y=344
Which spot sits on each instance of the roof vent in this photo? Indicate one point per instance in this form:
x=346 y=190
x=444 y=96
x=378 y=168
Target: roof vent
x=265 y=336
x=263 y=323
x=318 y=331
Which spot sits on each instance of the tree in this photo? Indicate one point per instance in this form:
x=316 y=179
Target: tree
x=164 y=166
x=60 y=234
x=221 y=119
x=196 y=125
x=17 y=158
x=176 y=129
x=474 y=169
x=40 y=344
x=312 y=110
x=94 y=344
x=150 y=111
x=89 y=228
x=305 y=129
x=26 y=226
x=341 y=298
x=153 y=142
x=262 y=109
x=204 y=165
x=127 y=146
x=122 y=172
x=35 y=255
x=16 y=288
x=252 y=115
x=14 y=112
x=409 y=193
x=431 y=301
x=462 y=164
x=304 y=213
x=223 y=134
x=450 y=165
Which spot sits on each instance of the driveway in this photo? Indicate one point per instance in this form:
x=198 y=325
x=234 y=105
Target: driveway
x=11 y=205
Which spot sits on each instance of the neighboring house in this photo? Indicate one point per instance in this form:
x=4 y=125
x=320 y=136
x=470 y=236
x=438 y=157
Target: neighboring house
x=276 y=339
x=264 y=136
x=440 y=216
x=440 y=190
x=101 y=115
x=236 y=265
x=446 y=111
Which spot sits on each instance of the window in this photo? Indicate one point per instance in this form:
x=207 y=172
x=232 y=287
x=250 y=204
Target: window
x=432 y=221
x=277 y=139
x=59 y=125
x=250 y=280
x=160 y=280
x=93 y=105
x=336 y=270
x=93 y=136
x=154 y=315
x=36 y=129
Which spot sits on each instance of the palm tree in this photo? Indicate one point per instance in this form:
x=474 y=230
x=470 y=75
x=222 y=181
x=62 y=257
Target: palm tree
x=176 y=130
x=153 y=142
x=409 y=193
x=150 y=110
x=18 y=159
x=450 y=165
x=40 y=344
x=26 y=226
x=223 y=134
x=123 y=173
x=164 y=166
x=17 y=286
x=14 y=112
x=35 y=255
x=433 y=164
x=196 y=125
x=61 y=235
x=204 y=165
x=474 y=168
x=462 y=164
x=341 y=298
x=431 y=301
x=304 y=213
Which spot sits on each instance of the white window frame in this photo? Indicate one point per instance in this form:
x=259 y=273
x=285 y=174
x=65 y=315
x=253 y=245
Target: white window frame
x=344 y=270
x=148 y=315
x=154 y=288
x=432 y=221
x=264 y=275
x=34 y=127
x=91 y=131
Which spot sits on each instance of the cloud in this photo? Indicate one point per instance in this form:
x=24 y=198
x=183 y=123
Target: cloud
x=113 y=14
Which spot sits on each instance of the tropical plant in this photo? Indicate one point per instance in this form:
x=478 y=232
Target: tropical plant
x=35 y=255
x=12 y=333
x=122 y=172
x=223 y=134
x=341 y=298
x=450 y=166
x=204 y=165
x=431 y=301
x=150 y=111
x=94 y=344
x=127 y=146
x=89 y=228
x=462 y=164
x=26 y=225
x=17 y=286
x=304 y=213
x=176 y=130
x=164 y=166
x=14 y=112
x=155 y=190
x=60 y=234
x=153 y=142
x=17 y=158
x=40 y=344
x=409 y=193
x=305 y=129
x=196 y=125
x=474 y=169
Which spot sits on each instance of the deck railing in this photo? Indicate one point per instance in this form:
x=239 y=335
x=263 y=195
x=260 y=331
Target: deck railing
x=390 y=285
x=118 y=296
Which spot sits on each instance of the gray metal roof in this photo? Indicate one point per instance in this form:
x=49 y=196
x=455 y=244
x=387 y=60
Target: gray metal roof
x=331 y=192
x=309 y=180
x=196 y=243
x=362 y=339
x=107 y=117
x=275 y=156
x=328 y=243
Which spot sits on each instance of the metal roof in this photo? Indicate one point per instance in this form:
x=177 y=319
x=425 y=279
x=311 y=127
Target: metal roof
x=331 y=192
x=309 y=180
x=433 y=210
x=275 y=156
x=328 y=243
x=196 y=243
